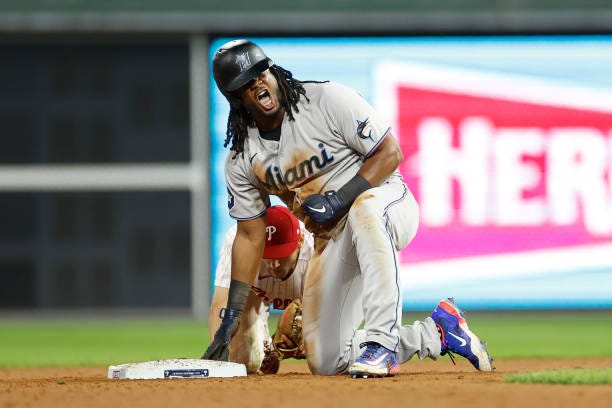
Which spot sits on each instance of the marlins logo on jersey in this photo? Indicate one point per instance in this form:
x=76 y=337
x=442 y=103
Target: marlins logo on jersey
x=364 y=129
x=230 y=199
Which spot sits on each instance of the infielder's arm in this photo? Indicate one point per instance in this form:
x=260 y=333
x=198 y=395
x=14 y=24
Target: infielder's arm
x=246 y=347
x=246 y=254
x=219 y=301
x=250 y=312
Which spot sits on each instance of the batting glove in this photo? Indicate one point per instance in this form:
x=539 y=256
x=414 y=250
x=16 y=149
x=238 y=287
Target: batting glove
x=218 y=349
x=323 y=208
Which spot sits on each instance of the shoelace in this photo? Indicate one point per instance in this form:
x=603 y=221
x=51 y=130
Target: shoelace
x=451 y=355
x=371 y=349
x=443 y=341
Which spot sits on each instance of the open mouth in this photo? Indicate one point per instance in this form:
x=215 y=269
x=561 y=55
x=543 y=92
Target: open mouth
x=265 y=99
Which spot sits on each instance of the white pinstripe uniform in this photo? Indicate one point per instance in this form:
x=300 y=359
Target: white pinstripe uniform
x=275 y=293
x=353 y=274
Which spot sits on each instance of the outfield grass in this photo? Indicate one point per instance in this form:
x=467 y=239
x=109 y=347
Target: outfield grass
x=77 y=343
x=578 y=376
x=105 y=342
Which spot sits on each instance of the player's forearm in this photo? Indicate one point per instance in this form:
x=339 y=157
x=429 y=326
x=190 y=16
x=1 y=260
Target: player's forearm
x=247 y=250
x=377 y=168
x=248 y=329
x=245 y=263
x=324 y=208
x=246 y=254
x=382 y=162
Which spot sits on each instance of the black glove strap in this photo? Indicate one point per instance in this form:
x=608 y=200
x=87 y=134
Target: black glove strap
x=237 y=296
x=355 y=186
x=229 y=313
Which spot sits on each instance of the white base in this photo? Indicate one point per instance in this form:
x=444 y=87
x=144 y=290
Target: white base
x=176 y=368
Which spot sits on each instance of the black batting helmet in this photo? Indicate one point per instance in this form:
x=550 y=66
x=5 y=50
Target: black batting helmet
x=236 y=63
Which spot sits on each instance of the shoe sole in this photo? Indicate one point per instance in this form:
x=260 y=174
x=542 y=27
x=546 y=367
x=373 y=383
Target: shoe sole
x=361 y=375
x=364 y=371
x=476 y=346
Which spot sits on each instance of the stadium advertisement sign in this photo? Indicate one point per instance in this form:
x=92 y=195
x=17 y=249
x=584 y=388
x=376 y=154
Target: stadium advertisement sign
x=508 y=155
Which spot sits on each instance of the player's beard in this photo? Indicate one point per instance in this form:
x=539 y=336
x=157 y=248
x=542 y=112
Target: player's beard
x=271 y=118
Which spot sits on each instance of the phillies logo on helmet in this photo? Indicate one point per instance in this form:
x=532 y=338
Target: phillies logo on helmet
x=270 y=230
x=243 y=61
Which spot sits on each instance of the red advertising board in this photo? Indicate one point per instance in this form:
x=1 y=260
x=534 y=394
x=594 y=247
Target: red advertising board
x=500 y=164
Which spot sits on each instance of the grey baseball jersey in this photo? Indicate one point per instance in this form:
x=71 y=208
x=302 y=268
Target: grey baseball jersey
x=321 y=151
x=353 y=274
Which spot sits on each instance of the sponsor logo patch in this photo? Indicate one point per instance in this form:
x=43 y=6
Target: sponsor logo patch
x=186 y=373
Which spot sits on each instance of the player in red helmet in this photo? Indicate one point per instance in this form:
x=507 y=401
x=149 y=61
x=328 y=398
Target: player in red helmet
x=279 y=281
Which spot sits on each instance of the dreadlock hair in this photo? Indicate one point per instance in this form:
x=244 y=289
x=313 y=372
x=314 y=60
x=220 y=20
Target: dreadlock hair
x=239 y=119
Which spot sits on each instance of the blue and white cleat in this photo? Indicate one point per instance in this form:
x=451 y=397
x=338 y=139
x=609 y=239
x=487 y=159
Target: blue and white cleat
x=375 y=361
x=457 y=338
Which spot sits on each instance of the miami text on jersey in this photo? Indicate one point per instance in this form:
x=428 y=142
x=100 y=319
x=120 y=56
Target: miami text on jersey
x=275 y=178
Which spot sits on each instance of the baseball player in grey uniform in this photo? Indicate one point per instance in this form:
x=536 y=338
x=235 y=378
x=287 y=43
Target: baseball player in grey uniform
x=279 y=281
x=326 y=153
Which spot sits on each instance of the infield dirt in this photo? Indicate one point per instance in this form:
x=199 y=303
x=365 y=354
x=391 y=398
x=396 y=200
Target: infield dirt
x=420 y=384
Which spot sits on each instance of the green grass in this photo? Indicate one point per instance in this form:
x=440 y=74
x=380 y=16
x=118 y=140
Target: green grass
x=60 y=343
x=578 y=376
x=105 y=341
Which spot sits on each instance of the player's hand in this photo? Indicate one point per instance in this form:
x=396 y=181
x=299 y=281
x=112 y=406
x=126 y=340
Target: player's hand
x=323 y=208
x=218 y=349
x=271 y=361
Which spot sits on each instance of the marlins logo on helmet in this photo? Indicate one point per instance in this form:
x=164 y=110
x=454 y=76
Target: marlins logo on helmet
x=243 y=60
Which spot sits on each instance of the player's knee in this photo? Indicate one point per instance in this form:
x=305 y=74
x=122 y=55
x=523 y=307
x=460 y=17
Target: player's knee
x=321 y=368
x=323 y=359
x=323 y=362
x=364 y=210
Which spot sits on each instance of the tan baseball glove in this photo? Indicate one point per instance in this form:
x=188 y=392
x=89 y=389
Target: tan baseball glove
x=288 y=341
